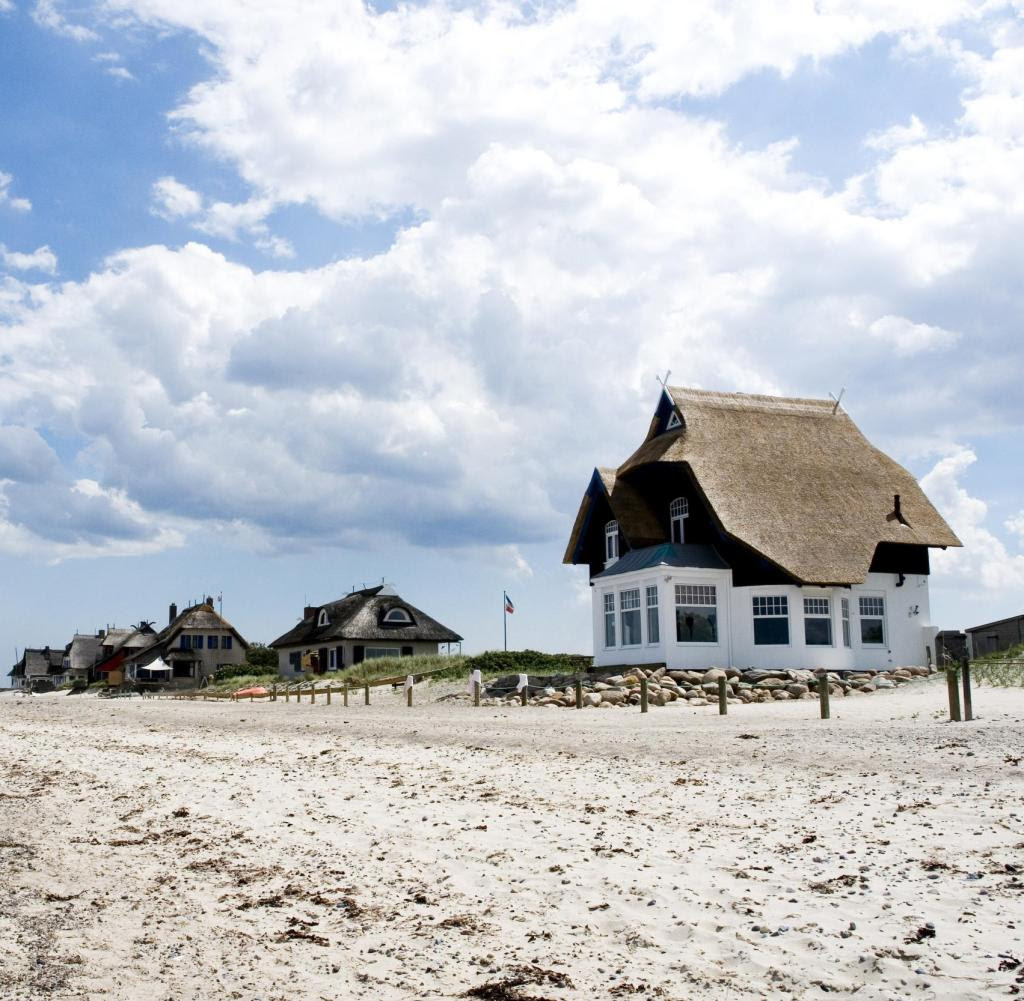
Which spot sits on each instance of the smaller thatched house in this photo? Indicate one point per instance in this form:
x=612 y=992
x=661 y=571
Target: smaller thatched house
x=757 y=531
x=188 y=650
x=39 y=670
x=375 y=622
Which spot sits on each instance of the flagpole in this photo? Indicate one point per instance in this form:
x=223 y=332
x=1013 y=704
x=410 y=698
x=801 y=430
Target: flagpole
x=504 y=621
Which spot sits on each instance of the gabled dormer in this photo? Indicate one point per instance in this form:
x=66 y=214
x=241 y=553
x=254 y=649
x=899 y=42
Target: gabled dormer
x=667 y=417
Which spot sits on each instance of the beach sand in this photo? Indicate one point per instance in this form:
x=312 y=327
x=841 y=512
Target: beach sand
x=188 y=850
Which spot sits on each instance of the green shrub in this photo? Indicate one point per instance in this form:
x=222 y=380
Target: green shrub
x=228 y=671
x=261 y=657
x=495 y=662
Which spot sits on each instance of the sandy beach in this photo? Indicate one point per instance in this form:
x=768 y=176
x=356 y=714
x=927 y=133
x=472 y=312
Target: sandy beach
x=188 y=850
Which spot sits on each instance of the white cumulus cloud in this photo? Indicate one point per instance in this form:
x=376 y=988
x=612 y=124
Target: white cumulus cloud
x=40 y=259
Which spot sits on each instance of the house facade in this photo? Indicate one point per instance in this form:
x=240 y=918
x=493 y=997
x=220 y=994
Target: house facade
x=367 y=624
x=757 y=532
x=188 y=650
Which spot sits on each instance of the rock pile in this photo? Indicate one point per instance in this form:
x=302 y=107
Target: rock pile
x=693 y=688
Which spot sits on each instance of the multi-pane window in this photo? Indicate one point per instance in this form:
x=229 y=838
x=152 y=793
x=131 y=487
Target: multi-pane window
x=609 y=620
x=376 y=652
x=211 y=642
x=197 y=642
x=653 y=626
x=611 y=542
x=295 y=660
x=771 y=620
x=184 y=642
x=872 y=621
x=817 y=621
x=629 y=615
x=678 y=512
x=844 y=608
x=225 y=643
x=696 y=613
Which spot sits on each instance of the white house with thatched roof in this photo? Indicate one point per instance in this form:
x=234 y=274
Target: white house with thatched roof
x=757 y=532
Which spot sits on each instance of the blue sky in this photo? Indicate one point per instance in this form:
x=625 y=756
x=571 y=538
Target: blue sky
x=292 y=303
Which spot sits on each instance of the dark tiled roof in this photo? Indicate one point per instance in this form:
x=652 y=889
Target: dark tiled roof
x=668 y=554
x=359 y=616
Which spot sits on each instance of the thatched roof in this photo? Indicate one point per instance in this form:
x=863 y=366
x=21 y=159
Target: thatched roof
x=360 y=616
x=38 y=662
x=201 y=617
x=793 y=479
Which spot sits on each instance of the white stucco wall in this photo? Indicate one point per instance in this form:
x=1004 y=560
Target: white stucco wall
x=909 y=635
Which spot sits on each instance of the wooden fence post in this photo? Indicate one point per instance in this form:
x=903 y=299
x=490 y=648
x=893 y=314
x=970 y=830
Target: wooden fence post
x=524 y=695
x=965 y=676
x=408 y=696
x=273 y=692
x=329 y=694
x=344 y=695
x=287 y=693
x=579 y=693
x=312 y=693
x=366 y=695
x=954 y=694
x=723 y=706
x=643 y=695
x=823 y=696
x=476 y=693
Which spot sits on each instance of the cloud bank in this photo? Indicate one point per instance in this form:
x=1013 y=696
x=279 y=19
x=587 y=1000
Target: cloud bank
x=576 y=229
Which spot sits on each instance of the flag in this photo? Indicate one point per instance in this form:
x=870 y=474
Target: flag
x=509 y=607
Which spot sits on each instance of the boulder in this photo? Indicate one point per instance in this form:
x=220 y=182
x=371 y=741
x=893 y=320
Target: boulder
x=713 y=675
x=592 y=699
x=797 y=690
x=612 y=696
x=771 y=684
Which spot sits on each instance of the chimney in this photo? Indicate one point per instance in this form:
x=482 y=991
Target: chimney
x=896 y=507
x=309 y=611
x=172 y=613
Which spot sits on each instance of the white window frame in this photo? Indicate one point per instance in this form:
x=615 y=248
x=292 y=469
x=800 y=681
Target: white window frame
x=611 y=542
x=332 y=659
x=861 y=617
x=377 y=652
x=844 y=622
x=608 y=614
x=702 y=589
x=678 y=512
x=809 y=600
x=770 y=596
x=322 y=619
x=651 y=590
x=404 y=618
x=627 y=594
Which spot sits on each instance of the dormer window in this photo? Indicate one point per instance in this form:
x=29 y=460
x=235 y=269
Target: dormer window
x=678 y=512
x=322 y=619
x=611 y=543
x=398 y=617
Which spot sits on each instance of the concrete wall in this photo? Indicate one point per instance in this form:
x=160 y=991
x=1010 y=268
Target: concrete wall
x=419 y=647
x=909 y=635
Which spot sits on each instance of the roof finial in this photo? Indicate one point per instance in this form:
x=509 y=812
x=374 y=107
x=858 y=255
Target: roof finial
x=664 y=382
x=837 y=399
